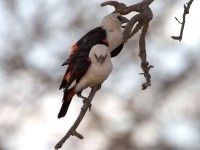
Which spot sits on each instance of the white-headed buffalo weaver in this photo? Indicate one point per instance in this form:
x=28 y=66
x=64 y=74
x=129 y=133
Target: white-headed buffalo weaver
x=89 y=63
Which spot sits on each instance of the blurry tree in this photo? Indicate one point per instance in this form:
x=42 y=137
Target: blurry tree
x=35 y=38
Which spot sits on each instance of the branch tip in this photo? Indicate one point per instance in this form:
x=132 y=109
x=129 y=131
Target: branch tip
x=186 y=11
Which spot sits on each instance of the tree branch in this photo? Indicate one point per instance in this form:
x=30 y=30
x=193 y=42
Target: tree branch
x=186 y=11
x=137 y=22
x=72 y=131
x=142 y=54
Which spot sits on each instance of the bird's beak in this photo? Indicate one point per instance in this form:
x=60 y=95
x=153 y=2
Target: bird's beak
x=124 y=20
x=101 y=59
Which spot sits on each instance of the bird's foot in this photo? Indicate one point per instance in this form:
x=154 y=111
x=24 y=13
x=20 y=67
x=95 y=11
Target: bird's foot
x=85 y=100
x=88 y=103
x=79 y=94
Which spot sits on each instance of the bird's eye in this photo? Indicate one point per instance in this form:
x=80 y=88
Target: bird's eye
x=119 y=18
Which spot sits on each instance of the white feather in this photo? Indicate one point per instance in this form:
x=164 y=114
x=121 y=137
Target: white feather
x=73 y=84
x=113 y=30
x=96 y=72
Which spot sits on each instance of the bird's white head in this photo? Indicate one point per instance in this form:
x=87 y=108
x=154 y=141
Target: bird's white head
x=113 y=21
x=100 y=54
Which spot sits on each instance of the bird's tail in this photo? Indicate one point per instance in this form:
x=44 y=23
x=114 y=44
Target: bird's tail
x=68 y=95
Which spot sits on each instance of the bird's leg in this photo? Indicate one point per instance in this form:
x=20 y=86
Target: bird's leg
x=80 y=96
x=85 y=100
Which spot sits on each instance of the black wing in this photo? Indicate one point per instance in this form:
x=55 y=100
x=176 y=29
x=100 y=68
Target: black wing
x=79 y=58
x=100 y=34
x=117 y=50
x=96 y=33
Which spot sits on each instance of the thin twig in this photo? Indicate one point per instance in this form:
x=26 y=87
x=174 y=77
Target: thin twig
x=72 y=131
x=186 y=11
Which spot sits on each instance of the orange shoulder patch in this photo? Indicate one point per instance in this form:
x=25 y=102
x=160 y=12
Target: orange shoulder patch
x=68 y=75
x=106 y=41
x=74 y=48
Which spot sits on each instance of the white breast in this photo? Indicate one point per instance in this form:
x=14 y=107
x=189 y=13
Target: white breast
x=95 y=74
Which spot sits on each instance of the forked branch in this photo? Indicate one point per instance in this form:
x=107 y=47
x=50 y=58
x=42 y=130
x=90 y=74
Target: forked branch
x=186 y=11
x=137 y=22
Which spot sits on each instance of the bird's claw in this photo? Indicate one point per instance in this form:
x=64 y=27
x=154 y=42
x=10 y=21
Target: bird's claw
x=85 y=101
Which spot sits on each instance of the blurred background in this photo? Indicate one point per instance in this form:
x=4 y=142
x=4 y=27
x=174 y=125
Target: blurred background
x=36 y=38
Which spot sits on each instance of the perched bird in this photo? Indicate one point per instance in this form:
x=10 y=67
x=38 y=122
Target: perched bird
x=109 y=32
x=107 y=36
x=86 y=72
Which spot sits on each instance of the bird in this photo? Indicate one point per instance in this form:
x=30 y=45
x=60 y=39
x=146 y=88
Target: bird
x=108 y=34
x=86 y=72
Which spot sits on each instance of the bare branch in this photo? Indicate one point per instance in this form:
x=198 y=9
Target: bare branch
x=141 y=20
x=142 y=54
x=119 y=7
x=123 y=9
x=129 y=27
x=72 y=131
x=186 y=11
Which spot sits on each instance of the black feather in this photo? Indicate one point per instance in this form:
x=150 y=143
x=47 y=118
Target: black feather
x=117 y=50
x=63 y=109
